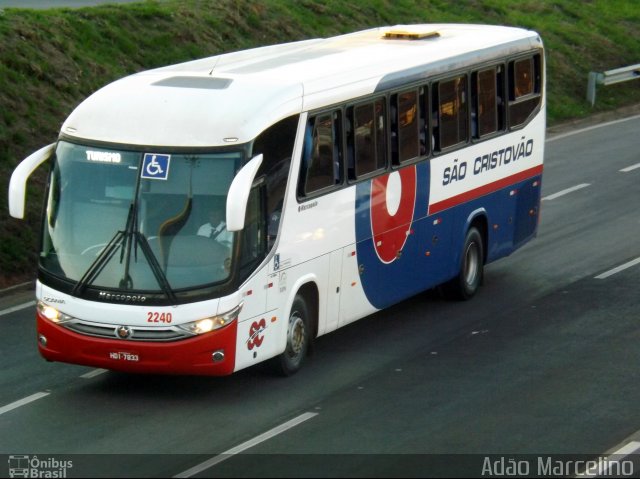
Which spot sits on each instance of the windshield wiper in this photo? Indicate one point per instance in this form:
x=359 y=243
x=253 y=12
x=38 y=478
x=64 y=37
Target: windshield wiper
x=133 y=238
x=155 y=266
x=99 y=263
x=128 y=238
x=127 y=282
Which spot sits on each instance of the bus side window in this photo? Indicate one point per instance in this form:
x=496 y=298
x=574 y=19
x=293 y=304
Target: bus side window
x=321 y=159
x=406 y=127
x=452 y=111
x=484 y=110
x=368 y=137
x=525 y=79
x=522 y=78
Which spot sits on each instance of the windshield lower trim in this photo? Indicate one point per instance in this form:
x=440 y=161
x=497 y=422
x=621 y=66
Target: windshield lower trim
x=133 y=297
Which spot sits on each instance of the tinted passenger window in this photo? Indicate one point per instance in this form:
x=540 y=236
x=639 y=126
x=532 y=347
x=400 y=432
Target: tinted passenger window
x=367 y=138
x=408 y=123
x=525 y=79
x=321 y=164
x=451 y=120
x=485 y=117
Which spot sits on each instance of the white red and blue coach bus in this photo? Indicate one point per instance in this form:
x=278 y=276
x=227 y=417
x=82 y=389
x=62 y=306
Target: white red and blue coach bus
x=345 y=175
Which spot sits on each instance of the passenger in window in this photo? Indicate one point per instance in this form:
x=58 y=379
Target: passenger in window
x=216 y=228
x=435 y=130
x=475 y=116
x=524 y=85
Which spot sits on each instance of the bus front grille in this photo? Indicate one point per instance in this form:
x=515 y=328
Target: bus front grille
x=112 y=331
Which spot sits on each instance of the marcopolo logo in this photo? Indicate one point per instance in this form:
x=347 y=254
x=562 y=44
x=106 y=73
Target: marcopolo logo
x=33 y=466
x=126 y=298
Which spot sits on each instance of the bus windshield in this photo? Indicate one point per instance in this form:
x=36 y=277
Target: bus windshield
x=138 y=221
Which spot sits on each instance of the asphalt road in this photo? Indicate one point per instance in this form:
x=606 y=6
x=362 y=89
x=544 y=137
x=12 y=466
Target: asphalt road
x=543 y=362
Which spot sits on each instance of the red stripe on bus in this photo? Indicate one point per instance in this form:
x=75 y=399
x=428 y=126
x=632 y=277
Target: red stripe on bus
x=484 y=190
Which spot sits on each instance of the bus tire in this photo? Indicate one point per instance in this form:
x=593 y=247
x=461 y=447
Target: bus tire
x=465 y=285
x=298 y=339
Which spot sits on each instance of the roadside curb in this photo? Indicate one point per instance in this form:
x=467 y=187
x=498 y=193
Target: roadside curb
x=593 y=119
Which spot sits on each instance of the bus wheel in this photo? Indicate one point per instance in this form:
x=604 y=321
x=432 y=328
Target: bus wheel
x=469 y=278
x=298 y=339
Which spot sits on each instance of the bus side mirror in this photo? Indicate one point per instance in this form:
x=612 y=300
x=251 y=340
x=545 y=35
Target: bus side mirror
x=239 y=194
x=19 y=177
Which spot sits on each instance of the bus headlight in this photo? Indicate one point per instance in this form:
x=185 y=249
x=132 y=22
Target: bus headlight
x=206 y=325
x=53 y=314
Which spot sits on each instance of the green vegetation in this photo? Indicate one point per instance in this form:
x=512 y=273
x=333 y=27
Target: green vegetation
x=52 y=59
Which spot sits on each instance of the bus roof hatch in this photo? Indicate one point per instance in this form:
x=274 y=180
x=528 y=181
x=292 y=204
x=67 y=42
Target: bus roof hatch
x=410 y=32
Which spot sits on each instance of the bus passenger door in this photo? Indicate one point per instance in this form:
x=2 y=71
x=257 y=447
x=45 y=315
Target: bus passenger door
x=253 y=244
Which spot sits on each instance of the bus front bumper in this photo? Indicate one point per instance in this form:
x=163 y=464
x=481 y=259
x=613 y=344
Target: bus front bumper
x=208 y=354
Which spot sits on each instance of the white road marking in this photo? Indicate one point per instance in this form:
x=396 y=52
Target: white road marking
x=22 y=402
x=603 y=467
x=247 y=445
x=632 y=448
x=589 y=128
x=617 y=269
x=567 y=191
x=94 y=373
x=16 y=287
x=17 y=308
x=630 y=168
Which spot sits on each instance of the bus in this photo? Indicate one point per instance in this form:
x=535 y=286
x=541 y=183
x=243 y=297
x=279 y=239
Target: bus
x=204 y=217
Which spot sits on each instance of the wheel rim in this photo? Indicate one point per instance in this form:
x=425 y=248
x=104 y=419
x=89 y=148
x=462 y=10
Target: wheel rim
x=471 y=262
x=296 y=336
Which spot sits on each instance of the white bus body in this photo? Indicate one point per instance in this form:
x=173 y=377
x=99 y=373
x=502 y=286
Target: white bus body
x=353 y=172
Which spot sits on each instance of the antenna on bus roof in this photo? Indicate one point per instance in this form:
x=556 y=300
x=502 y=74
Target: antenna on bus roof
x=214 y=66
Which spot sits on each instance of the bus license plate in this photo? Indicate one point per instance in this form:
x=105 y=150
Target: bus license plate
x=120 y=356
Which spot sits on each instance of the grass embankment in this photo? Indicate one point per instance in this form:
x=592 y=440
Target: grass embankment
x=52 y=59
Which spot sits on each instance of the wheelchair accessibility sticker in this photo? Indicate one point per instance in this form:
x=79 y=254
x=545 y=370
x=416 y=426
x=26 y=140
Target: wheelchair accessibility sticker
x=155 y=166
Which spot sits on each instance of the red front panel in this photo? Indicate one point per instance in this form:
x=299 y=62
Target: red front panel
x=188 y=356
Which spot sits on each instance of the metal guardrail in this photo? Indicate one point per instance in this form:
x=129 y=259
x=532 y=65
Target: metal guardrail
x=610 y=77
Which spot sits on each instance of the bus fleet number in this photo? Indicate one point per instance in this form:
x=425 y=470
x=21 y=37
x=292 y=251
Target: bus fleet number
x=155 y=317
